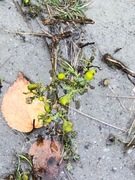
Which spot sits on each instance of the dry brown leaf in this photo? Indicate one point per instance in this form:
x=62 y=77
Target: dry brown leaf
x=18 y=114
x=46 y=158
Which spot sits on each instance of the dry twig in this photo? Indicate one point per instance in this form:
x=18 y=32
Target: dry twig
x=78 y=21
x=97 y=120
x=124 y=97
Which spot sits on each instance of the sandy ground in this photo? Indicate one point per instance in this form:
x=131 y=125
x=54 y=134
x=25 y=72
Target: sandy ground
x=114 y=28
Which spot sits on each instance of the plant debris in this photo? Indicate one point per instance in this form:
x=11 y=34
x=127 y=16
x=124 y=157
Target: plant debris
x=118 y=64
x=46 y=158
x=56 y=21
x=18 y=114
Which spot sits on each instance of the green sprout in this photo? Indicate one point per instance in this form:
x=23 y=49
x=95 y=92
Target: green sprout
x=23 y=157
x=20 y=174
x=77 y=9
x=69 y=167
x=76 y=157
x=67 y=9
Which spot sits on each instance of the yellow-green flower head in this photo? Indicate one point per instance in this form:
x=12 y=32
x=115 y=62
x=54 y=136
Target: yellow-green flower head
x=41 y=98
x=89 y=75
x=64 y=100
x=67 y=126
x=61 y=76
x=26 y=2
x=48 y=119
x=32 y=86
x=47 y=107
x=25 y=177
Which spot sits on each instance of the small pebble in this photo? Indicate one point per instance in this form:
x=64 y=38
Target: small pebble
x=114 y=169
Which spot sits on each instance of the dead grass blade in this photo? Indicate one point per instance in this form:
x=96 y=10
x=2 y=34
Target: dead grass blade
x=99 y=121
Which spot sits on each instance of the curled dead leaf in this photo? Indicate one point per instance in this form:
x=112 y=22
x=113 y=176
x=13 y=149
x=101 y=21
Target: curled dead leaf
x=18 y=114
x=46 y=158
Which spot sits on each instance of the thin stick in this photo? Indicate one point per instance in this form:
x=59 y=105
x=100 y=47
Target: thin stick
x=85 y=5
x=97 y=120
x=118 y=99
x=132 y=127
x=53 y=55
x=124 y=97
x=131 y=141
x=42 y=28
x=49 y=12
x=78 y=21
x=68 y=174
x=29 y=33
